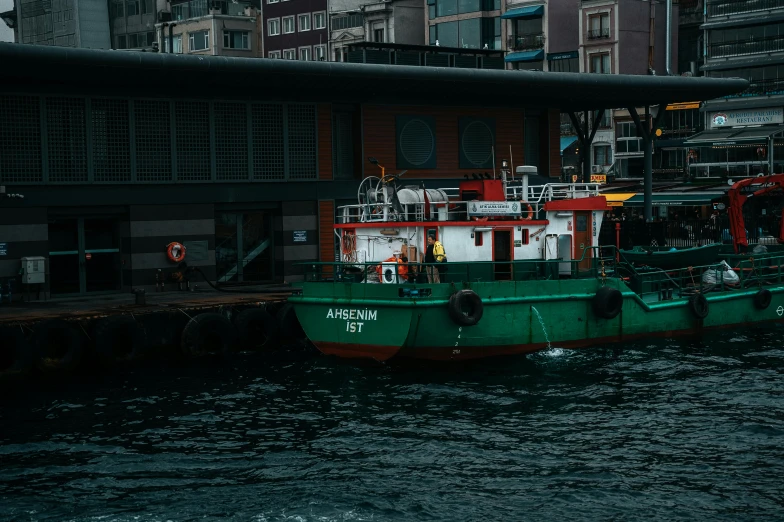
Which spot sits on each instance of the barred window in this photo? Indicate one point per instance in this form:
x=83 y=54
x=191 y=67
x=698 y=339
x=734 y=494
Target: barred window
x=193 y=140
x=268 y=149
x=67 y=139
x=302 y=141
x=20 y=139
x=111 y=140
x=153 y=140
x=231 y=141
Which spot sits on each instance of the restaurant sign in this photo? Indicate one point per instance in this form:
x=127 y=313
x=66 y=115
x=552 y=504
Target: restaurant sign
x=764 y=116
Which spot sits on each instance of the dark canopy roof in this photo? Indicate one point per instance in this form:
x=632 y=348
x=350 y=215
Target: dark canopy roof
x=26 y=67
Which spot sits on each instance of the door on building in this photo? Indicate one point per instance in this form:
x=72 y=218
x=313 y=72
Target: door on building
x=582 y=240
x=84 y=255
x=243 y=247
x=502 y=254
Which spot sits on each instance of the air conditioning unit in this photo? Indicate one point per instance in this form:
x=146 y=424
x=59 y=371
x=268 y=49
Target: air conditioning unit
x=596 y=168
x=33 y=270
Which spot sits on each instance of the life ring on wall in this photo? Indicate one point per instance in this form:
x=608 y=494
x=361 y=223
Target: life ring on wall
x=175 y=252
x=699 y=306
x=762 y=299
x=530 y=215
x=608 y=302
x=466 y=300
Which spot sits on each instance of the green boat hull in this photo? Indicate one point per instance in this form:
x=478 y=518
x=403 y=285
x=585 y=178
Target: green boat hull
x=374 y=321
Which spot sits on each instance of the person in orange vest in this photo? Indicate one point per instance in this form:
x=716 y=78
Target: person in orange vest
x=402 y=268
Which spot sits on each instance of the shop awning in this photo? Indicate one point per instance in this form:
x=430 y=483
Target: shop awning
x=748 y=136
x=525 y=56
x=532 y=11
x=617 y=200
x=566 y=141
x=674 y=199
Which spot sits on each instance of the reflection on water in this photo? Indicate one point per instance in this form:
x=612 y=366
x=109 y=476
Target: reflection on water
x=660 y=429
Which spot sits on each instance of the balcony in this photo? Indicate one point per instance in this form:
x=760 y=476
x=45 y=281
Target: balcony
x=769 y=44
x=526 y=42
x=598 y=34
x=733 y=7
x=762 y=88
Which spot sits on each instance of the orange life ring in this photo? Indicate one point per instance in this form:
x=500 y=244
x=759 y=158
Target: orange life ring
x=530 y=210
x=175 y=252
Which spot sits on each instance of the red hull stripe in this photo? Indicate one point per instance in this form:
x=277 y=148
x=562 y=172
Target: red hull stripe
x=358 y=351
x=398 y=224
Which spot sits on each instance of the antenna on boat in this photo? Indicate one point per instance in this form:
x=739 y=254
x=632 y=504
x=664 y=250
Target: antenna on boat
x=492 y=150
x=511 y=162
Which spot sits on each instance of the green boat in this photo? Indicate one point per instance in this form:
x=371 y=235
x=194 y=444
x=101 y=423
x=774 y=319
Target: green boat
x=670 y=258
x=524 y=272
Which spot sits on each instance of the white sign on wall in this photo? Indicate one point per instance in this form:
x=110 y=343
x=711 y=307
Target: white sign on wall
x=494 y=208
x=764 y=116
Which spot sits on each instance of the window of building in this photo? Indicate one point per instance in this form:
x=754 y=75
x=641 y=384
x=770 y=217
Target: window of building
x=177 y=44
x=150 y=38
x=605 y=122
x=602 y=155
x=305 y=54
x=473 y=33
x=626 y=139
x=564 y=64
x=133 y=41
x=599 y=26
x=121 y=42
x=347 y=21
x=132 y=7
x=273 y=27
x=236 y=40
x=274 y=55
x=288 y=24
x=320 y=52
x=119 y=9
x=477 y=238
x=303 y=21
x=378 y=35
x=446 y=7
x=469 y=33
x=319 y=20
x=289 y=54
x=199 y=41
x=600 y=63
x=272 y=1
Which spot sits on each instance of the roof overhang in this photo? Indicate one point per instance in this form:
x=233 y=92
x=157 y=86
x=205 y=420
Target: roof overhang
x=528 y=12
x=525 y=56
x=750 y=136
x=31 y=68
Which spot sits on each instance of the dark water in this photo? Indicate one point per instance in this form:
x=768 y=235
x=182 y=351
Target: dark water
x=660 y=430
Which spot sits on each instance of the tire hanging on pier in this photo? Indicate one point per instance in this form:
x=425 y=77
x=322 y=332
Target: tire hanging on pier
x=256 y=329
x=466 y=307
x=14 y=352
x=119 y=339
x=762 y=299
x=57 y=345
x=608 y=302
x=208 y=333
x=699 y=306
x=290 y=328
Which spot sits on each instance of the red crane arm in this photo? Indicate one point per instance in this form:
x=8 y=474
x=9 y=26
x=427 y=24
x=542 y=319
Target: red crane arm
x=737 y=225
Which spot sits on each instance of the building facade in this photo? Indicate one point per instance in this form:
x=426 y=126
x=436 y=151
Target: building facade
x=65 y=23
x=132 y=23
x=743 y=133
x=295 y=29
x=218 y=29
x=356 y=21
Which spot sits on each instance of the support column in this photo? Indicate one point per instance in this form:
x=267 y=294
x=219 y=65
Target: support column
x=646 y=132
x=586 y=138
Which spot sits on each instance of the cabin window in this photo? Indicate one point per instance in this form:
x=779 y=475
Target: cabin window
x=477 y=239
x=416 y=142
x=477 y=137
x=525 y=236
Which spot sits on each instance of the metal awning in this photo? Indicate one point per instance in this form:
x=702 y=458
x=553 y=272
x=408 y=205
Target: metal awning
x=525 y=56
x=566 y=141
x=50 y=69
x=531 y=11
x=747 y=136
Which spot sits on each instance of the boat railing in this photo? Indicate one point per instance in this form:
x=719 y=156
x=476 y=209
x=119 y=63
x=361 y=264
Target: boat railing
x=540 y=194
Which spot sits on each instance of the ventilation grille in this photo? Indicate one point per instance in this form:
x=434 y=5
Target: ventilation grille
x=193 y=140
x=111 y=140
x=267 y=122
x=302 y=141
x=20 y=139
x=416 y=142
x=67 y=140
x=477 y=144
x=231 y=141
x=153 y=140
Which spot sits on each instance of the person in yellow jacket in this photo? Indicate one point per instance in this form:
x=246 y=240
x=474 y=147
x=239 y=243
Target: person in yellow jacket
x=434 y=254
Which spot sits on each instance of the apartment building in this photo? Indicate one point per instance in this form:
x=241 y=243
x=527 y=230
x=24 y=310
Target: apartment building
x=295 y=29
x=64 y=23
x=742 y=39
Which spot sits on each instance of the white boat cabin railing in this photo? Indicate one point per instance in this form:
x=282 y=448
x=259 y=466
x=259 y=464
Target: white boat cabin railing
x=455 y=210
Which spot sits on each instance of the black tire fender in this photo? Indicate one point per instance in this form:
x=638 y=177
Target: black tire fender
x=57 y=345
x=464 y=300
x=699 y=306
x=256 y=328
x=15 y=356
x=119 y=339
x=290 y=326
x=607 y=302
x=762 y=299
x=208 y=333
